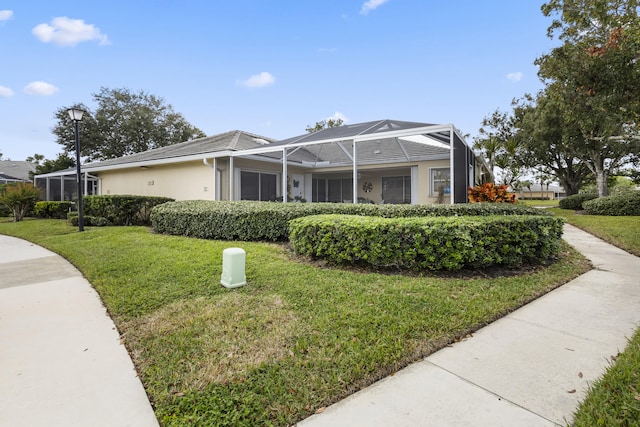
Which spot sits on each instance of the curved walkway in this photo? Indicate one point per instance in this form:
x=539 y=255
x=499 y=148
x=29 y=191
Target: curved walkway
x=62 y=364
x=61 y=360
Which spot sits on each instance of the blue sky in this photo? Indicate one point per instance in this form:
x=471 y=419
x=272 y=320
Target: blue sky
x=267 y=67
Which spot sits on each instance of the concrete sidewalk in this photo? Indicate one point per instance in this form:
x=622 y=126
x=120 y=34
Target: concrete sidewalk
x=61 y=361
x=530 y=368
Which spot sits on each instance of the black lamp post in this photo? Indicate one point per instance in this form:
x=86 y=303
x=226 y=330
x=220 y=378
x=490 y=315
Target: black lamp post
x=76 y=116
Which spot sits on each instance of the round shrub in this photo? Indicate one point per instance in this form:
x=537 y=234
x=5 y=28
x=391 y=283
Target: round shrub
x=431 y=243
x=623 y=204
x=575 y=201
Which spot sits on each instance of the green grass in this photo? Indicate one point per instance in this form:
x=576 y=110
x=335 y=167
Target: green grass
x=297 y=338
x=540 y=203
x=621 y=231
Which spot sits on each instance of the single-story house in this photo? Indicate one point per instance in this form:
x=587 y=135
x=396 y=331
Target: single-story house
x=386 y=161
x=539 y=191
x=15 y=171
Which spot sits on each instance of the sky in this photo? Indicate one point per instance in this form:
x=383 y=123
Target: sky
x=267 y=67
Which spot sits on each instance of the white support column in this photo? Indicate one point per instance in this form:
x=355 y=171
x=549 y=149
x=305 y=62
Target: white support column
x=414 y=185
x=48 y=189
x=231 y=192
x=355 y=173
x=215 y=179
x=284 y=175
x=451 y=168
x=86 y=184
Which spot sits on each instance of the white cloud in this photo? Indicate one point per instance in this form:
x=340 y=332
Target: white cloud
x=5 y=15
x=515 y=77
x=259 y=80
x=338 y=115
x=371 y=5
x=40 y=89
x=327 y=49
x=5 y=92
x=64 y=31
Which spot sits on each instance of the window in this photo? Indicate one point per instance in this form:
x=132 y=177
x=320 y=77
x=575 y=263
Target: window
x=440 y=182
x=337 y=190
x=258 y=186
x=319 y=190
x=396 y=189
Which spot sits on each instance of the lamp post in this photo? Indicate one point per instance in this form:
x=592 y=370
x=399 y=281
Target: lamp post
x=76 y=116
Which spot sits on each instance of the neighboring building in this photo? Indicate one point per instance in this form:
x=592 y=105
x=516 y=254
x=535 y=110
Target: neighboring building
x=546 y=191
x=15 y=171
x=384 y=161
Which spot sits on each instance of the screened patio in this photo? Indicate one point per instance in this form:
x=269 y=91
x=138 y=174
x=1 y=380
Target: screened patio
x=338 y=163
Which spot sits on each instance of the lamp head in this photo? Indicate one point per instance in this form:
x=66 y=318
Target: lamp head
x=75 y=114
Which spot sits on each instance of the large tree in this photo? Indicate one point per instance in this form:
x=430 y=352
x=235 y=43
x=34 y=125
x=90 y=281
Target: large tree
x=594 y=79
x=550 y=144
x=497 y=141
x=123 y=123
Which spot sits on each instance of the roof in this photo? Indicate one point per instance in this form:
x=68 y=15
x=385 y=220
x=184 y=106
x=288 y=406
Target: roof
x=229 y=141
x=17 y=170
x=377 y=142
x=381 y=141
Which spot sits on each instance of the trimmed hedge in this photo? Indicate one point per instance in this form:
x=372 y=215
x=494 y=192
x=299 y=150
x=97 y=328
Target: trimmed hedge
x=575 y=201
x=436 y=243
x=623 y=204
x=123 y=209
x=87 y=220
x=52 y=210
x=269 y=221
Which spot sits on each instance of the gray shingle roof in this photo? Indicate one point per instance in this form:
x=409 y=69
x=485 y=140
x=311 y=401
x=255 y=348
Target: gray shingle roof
x=17 y=169
x=228 y=141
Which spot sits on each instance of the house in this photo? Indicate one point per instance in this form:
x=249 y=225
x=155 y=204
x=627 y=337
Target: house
x=538 y=191
x=15 y=171
x=384 y=161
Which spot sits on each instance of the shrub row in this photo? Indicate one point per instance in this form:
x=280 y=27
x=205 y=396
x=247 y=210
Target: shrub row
x=122 y=209
x=269 y=221
x=52 y=210
x=94 y=221
x=575 y=201
x=623 y=204
x=436 y=243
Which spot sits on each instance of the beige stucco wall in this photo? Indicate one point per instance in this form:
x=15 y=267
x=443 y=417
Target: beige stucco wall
x=181 y=181
x=195 y=180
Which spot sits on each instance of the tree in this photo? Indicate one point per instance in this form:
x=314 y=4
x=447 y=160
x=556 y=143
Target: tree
x=35 y=159
x=551 y=145
x=325 y=124
x=19 y=198
x=594 y=77
x=62 y=162
x=123 y=123
x=500 y=147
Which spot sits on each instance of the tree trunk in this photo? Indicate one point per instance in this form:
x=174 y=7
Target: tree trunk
x=601 y=182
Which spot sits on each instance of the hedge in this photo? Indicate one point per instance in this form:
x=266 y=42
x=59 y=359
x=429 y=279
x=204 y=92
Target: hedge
x=269 y=221
x=73 y=219
x=575 y=201
x=122 y=209
x=435 y=243
x=623 y=204
x=52 y=210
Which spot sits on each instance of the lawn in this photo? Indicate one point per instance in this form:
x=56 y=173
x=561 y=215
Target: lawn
x=297 y=338
x=621 y=231
x=539 y=203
